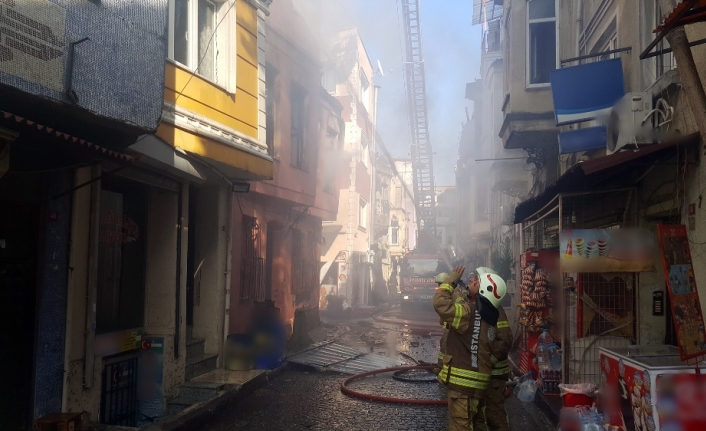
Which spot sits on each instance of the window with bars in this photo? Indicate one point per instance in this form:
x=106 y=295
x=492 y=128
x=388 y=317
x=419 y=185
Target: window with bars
x=298 y=100
x=252 y=269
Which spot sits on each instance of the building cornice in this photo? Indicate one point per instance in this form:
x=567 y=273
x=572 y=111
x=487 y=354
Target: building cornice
x=203 y=126
x=263 y=5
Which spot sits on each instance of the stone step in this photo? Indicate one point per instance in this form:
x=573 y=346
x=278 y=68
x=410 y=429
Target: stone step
x=200 y=390
x=201 y=364
x=194 y=347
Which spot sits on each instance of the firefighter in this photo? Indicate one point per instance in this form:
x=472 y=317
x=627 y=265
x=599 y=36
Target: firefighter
x=498 y=391
x=467 y=365
x=458 y=297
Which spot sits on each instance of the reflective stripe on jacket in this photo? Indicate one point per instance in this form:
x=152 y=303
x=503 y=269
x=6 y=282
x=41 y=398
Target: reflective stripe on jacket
x=466 y=364
x=500 y=347
x=458 y=297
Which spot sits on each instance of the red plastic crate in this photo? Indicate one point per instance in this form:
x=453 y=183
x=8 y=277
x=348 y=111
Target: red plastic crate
x=573 y=400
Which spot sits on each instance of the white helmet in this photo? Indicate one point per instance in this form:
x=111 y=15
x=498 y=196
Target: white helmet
x=485 y=270
x=440 y=278
x=492 y=287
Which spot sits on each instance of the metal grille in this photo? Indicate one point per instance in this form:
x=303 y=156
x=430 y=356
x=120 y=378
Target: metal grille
x=252 y=268
x=415 y=79
x=119 y=395
x=600 y=310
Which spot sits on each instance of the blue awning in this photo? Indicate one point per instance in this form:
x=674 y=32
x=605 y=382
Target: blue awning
x=587 y=91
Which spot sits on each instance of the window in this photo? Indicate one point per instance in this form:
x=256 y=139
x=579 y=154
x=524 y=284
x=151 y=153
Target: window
x=300 y=115
x=611 y=45
x=665 y=62
x=394 y=231
x=365 y=90
x=271 y=94
x=363 y=214
x=398 y=196
x=364 y=150
x=542 y=40
x=196 y=43
x=121 y=256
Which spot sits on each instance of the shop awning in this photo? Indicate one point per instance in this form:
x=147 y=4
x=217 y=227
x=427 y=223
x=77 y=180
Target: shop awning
x=159 y=154
x=685 y=12
x=586 y=176
x=68 y=138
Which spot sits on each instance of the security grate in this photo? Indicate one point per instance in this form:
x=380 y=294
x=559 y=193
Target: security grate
x=119 y=391
x=252 y=268
x=600 y=311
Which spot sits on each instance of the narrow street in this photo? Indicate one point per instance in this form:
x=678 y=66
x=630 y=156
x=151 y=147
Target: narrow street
x=304 y=399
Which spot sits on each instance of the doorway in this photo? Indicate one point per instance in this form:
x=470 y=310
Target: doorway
x=19 y=231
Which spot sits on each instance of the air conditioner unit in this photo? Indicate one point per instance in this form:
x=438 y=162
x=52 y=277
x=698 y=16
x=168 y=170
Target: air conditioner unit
x=507 y=214
x=626 y=126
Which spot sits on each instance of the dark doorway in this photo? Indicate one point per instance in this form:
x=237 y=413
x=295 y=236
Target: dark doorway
x=19 y=230
x=190 y=257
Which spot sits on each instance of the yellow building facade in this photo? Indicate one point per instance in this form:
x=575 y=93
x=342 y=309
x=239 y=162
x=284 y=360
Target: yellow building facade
x=214 y=86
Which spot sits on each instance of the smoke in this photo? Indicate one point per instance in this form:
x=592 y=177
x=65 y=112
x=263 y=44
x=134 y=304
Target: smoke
x=452 y=59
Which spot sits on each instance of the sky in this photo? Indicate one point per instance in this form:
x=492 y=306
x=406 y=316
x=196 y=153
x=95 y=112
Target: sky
x=451 y=47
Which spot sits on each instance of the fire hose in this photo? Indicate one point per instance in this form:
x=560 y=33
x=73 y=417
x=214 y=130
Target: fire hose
x=348 y=391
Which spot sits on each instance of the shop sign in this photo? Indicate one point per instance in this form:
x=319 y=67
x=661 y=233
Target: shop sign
x=117 y=342
x=32 y=41
x=150 y=372
x=607 y=250
x=117 y=228
x=586 y=91
x=575 y=141
x=681 y=282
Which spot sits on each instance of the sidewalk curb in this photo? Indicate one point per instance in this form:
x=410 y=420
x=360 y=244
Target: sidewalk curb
x=198 y=415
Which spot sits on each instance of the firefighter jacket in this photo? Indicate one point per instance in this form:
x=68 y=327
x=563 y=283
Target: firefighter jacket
x=459 y=297
x=467 y=367
x=500 y=347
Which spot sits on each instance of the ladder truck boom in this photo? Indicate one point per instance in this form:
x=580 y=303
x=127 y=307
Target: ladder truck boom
x=422 y=155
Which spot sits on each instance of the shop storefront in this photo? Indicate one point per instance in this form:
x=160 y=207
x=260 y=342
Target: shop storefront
x=589 y=263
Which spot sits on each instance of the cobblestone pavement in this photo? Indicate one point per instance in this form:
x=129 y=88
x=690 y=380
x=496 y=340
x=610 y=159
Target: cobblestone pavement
x=300 y=400
x=307 y=400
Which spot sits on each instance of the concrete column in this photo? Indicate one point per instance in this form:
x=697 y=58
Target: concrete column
x=75 y=398
x=160 y=281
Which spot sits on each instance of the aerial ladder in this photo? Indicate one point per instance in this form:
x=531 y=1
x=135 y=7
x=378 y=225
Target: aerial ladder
x=422 y=155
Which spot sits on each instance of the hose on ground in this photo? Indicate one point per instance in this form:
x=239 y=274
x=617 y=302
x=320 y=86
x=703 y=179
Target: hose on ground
x=348 y=391
x=426 y=377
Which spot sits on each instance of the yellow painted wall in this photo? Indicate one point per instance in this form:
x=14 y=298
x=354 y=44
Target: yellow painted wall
x=239 y=111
